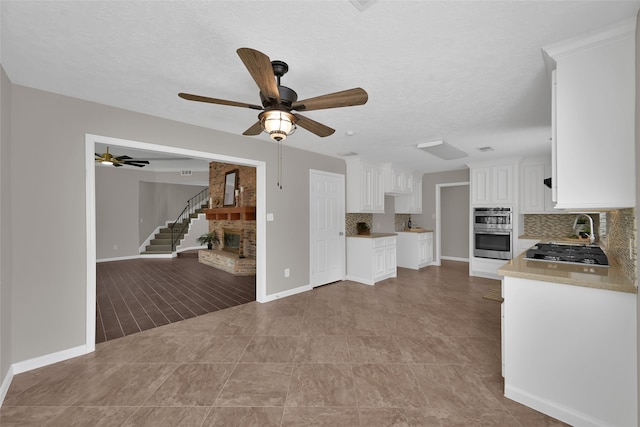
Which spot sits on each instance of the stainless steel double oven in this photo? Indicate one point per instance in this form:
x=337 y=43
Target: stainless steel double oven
x=492 y=233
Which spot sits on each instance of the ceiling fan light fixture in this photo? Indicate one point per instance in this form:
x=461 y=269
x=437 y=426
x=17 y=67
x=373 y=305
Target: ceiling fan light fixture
x=278 y=124
x=107 y=162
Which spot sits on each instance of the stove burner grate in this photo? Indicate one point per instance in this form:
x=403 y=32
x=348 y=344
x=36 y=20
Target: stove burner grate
x=570 y=254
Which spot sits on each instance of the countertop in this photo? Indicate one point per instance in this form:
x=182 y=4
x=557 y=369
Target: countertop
x=610 y=278
x=373 y=235
x=415 y=230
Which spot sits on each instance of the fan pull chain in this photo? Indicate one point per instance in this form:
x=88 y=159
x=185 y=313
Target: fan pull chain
x=279 y=184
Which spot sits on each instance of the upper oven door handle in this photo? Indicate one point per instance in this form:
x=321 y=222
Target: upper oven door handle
x=499 y=233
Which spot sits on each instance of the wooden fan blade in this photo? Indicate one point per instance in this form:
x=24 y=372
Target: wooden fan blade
x=313 y=126
x=259 y=66
x=140 y=165
x=123 y=158
x=345 y=98
x=142 y=162
x=199 y=98
x=254 y=130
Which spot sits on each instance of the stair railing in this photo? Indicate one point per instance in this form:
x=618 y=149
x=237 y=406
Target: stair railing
x=180 y=225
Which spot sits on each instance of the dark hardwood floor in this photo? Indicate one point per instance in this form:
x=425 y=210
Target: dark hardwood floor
x=136 y=295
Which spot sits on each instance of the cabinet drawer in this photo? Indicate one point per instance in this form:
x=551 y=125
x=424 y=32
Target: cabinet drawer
x=379 y=242
x=384 y=241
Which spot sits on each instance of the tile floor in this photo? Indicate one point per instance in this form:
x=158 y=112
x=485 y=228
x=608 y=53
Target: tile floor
x=419 y=350
x=140 y=294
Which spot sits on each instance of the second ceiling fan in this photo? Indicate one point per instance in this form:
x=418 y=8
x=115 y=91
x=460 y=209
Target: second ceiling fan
x=278 y=102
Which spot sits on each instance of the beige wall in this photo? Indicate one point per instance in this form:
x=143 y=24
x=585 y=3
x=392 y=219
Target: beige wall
x=5 y=225
x=427 y=218
x=129 y=207
x=454 y=221
x=638 y=181
x=49 y=301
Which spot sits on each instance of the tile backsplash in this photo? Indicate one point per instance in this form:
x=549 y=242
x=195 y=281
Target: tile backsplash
x=554 y=225
x=351 y=219
x=622 y=233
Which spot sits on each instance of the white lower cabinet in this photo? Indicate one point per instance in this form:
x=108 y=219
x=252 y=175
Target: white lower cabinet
x=486 y=267
x=371 y=259
x=414 y=250
x=570 y=351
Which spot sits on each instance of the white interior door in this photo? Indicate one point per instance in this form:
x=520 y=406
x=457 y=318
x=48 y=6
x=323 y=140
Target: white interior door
x=327 y=216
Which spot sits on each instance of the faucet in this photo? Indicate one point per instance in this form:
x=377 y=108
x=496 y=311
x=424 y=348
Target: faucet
x=592 y=235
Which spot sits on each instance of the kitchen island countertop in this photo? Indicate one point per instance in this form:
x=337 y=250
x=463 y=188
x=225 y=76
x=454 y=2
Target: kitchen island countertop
x=610 y=278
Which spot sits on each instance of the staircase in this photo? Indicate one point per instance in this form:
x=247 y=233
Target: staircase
x=166 y=239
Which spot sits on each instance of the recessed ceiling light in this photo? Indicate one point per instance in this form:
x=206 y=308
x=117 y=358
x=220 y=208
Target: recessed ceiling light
x=442 y=149
x=349 y=133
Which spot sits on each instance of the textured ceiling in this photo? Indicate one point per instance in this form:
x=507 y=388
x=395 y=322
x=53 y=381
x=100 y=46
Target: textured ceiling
x=470 y=73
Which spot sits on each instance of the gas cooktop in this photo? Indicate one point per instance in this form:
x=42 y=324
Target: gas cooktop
x=570 y=254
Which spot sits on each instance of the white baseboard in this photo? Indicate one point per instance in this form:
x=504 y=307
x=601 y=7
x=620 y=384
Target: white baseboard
x=48 y=359
x=145 y=256
x=121 y=258
x=287 y=293
x=553 y=409
x=6 y=382
x=453 y=258
x=190 y=248
x=485 y=275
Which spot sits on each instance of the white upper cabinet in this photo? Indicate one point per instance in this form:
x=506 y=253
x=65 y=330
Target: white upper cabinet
x=493 y=185
x=594 y=148
x=535 y=196
x=365 y=187
x=397 y=181
x=412 y=202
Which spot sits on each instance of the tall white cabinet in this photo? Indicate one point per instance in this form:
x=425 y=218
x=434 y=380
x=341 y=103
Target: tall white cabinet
x=492 y=185
x=594 y=119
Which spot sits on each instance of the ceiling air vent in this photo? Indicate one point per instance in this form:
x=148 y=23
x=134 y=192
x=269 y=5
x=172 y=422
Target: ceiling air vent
x=186 y=173
x=347 y=154
x=361 y=5
x=485 y=149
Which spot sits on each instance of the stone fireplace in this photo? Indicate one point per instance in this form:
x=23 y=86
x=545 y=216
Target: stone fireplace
x=235 y=225
x=232 y=240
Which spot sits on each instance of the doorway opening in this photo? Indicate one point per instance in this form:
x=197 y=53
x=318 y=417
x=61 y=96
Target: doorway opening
x=457 y=213
x=90 y=142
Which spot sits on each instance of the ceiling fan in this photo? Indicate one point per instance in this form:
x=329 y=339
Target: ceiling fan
x=107 y=159
x=278 y=102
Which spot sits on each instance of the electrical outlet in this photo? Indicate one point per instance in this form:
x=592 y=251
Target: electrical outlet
x=287 y=272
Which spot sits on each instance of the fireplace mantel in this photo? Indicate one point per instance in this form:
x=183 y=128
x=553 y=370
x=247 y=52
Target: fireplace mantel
x=245 y=213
